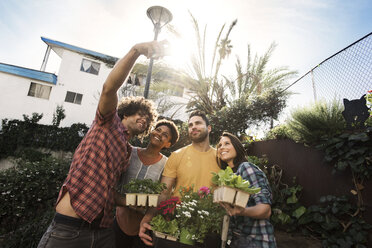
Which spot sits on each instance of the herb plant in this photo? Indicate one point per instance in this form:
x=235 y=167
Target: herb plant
x=228 y=178
x=145 y=186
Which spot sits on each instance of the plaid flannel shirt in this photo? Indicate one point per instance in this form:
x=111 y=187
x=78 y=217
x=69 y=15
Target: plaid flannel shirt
x=259 y=232
x=97 y=164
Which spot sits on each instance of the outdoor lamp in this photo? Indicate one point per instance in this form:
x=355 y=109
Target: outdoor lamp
x=160 y=17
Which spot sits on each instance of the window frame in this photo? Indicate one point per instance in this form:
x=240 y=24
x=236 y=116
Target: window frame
x=77 y=97
x=90 y=69
x=38 y=90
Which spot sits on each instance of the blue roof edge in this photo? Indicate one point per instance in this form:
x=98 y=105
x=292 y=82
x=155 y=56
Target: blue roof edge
x=29 y=73
x=100 y=56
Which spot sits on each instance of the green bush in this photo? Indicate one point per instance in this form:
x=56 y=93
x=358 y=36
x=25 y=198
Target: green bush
x=350 y=150
x=335 y=222
x=29 y=191
x=30 y=154
x=320 y=120
x=27 y=133
x=247 y=113
x=279 y=132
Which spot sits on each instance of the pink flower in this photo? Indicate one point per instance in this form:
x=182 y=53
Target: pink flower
x=203 y=191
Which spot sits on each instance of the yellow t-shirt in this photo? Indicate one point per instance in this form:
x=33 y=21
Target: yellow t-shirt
x=191 y=167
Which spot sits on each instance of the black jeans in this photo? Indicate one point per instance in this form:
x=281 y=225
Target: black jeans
x=68 y=232
x=123 y=240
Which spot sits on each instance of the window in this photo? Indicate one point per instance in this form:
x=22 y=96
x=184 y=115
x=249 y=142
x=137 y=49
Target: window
x=39 y=90
x=73 y=97
x=90 y=66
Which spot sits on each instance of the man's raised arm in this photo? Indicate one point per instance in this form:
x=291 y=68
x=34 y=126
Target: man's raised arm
x=109 y=100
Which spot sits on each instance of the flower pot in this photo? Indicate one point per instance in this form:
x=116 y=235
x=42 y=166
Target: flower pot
x=241 y=199
x=212 y=240
x=159 y=234
x=130 y=199
x=153 y=200
x=186 y=237
x=169 y=237
x=164 y=243
x=224 y=194
x=162 y=240
x=142 y=200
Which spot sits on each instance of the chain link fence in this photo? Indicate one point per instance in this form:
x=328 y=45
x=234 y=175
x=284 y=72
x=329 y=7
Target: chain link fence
x=346 y=74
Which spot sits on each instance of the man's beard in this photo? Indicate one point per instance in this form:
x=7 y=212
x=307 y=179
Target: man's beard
x=203 y=135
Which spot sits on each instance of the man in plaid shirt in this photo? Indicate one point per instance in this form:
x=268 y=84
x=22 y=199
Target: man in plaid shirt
x=84 y=208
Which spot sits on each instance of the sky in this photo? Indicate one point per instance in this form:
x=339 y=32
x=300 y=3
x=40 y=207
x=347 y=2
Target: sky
x=306 y=31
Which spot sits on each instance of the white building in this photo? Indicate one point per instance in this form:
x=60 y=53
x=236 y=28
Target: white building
x=77 y=87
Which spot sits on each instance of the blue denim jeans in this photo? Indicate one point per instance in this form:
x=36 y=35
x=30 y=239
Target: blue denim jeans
x=62 y=234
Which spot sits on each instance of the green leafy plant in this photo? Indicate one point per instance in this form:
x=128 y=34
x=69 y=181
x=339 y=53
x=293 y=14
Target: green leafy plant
x=335 y=222
x=198 y=214
x=228 y=178
x=58 y=115
x=146 y=186
x=350 y=150
x=194 y=211
x=160 y=224
x=16 y=134
x=369 y=102
x=320 y=120
x=287 y=208
x=28 y=194
x=279 y=132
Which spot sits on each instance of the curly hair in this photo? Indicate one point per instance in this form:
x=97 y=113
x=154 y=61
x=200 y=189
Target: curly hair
x=173 y=128
x=240 y=152
x=129 y=106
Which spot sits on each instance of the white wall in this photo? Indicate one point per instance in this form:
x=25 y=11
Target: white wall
x=70 y=78
x=14 y=101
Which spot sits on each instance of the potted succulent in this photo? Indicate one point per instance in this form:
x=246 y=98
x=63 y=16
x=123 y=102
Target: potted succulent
x=143 y=192
x=232 y=188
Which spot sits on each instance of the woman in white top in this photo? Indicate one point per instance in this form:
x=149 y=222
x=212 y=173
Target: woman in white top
x=147 y=163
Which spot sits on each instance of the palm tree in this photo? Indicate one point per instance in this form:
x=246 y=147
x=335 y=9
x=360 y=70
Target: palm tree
x=256 y=78
x=207 y=89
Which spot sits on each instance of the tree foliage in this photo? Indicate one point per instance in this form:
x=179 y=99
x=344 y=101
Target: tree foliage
x=165 y=81
x=253 y=97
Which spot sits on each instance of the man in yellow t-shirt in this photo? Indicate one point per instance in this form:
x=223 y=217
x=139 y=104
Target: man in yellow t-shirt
x=190 y=165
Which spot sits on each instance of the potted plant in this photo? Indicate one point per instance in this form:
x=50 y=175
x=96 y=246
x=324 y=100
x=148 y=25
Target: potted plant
x=232 y=188
x=195 y=214
x=164 y=225
x=143 y=192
